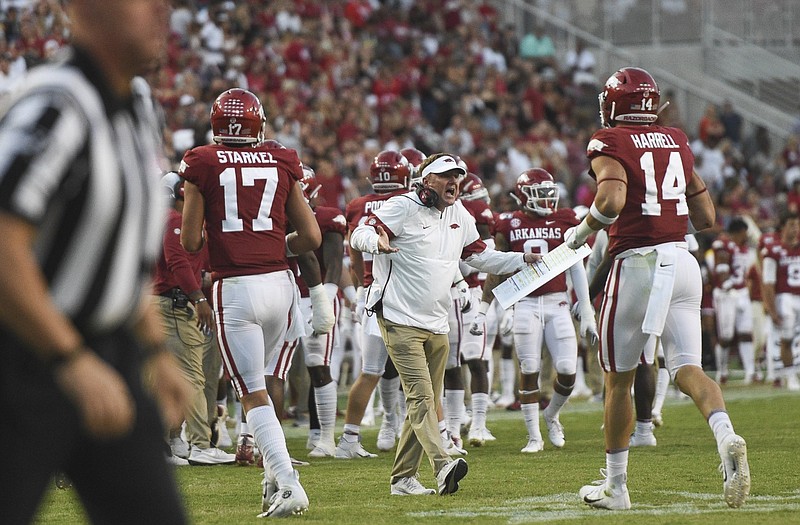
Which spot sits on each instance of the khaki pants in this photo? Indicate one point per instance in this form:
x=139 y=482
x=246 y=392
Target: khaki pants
x=189 y=345
x=420 y=357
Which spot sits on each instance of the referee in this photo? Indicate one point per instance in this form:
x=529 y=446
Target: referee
x=83 y=370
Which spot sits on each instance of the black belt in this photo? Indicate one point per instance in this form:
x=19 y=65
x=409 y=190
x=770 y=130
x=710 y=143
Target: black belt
x=179 y=299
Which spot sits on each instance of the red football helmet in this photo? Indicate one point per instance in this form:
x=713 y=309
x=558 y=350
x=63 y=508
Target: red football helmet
x=389 y=171
x=630 y=95
x=536 y=191
x=309 y=183
x=415 y=158
x=471 y=188
x=237 y=117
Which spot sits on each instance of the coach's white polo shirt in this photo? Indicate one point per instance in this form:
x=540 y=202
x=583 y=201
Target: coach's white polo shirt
x=415 y=282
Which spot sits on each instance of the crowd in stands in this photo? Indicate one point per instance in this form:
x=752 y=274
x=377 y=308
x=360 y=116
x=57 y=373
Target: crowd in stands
x=342 y=80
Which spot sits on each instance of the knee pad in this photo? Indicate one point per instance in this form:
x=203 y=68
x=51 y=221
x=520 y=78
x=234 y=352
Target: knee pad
x=529 y=365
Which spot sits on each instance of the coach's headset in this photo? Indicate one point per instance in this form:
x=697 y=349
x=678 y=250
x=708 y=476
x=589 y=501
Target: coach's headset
x=427 y=195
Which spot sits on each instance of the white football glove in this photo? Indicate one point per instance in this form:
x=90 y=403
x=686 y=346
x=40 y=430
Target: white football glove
x=507 y=322
x=464 y=296
x=478 y=326
x=588 y=324
x=727 y=284
x=322 y=316
x=570 y=238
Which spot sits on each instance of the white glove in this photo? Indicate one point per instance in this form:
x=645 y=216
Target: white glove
x=570 y=238
x=727 y=284
x=478 y=326
x=507 y=322
x=588 y=326
x=322 y=316
x=464 y=296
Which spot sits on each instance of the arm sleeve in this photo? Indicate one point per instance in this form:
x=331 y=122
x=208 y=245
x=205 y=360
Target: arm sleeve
x=178 y=260
x=492 y=261
x=580 y=283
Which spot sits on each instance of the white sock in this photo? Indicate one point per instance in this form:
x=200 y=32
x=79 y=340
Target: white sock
x=556 y=404
x=530 y=412
x=662 y=384
x=748 y=357
x=453 y=410
x=507 y=377
x=644 y=428
x=722 y=360
x=616 y=467
x=326 y=411
x=351 y=432
x=268 y=435
x=721 y=426
x=479 y=403
x=390 y=388
x=490 y=370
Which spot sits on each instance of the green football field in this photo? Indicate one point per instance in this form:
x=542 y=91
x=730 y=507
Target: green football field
x=676 y=482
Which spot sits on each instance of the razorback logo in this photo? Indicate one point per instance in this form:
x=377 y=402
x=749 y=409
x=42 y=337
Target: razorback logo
x=563 y=303
x=454 y=226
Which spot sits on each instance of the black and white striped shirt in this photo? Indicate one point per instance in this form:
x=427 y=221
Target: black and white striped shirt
x=82 y=167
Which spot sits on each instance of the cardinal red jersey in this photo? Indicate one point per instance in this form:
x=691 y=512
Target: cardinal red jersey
x=356 y=213
x=529 y=233
x=482 y=214
x=330 y=220
x=754 y=277
x=245 y=192
x=659 y=165
x=787 y=262
x=767 y=239
x=739 y=260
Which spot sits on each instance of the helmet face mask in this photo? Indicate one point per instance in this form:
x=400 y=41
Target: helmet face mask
x=389 y=171
x=471 y=188
x=629 y=95
x=536 y=191
x=237 y=117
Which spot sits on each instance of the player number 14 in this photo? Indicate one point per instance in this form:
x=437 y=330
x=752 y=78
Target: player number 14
x=673 y=185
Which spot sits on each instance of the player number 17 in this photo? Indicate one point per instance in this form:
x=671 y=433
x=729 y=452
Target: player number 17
x=227 y=179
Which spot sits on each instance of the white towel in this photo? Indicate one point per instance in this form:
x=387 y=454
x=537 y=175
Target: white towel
x=661 y=292
x=299 y=325
x=373 y=294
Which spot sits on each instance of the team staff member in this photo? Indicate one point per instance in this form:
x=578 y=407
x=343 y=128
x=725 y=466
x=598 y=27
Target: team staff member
x=421 y=236
x=81 y=217
x=187 y=321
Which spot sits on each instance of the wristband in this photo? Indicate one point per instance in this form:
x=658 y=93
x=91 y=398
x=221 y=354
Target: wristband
x=594 y=212
x=582 y=232
x=483 y=307
x=201 y=300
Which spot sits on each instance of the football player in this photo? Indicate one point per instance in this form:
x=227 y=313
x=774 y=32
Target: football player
x=244 y=193
x=543 y=317
x=648 y=197
x=782 y=292
x=734 y=312
x=390 y=174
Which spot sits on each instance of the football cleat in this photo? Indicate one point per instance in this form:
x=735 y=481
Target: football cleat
x=351 y=450
x=599 y=494
x=555 y=432
x=290 y=500
x=323 y=450
x=475 y=437
x=658 y=419
x=210 y=456
x=386 y=435
x=735 y=471
x=534 y=445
